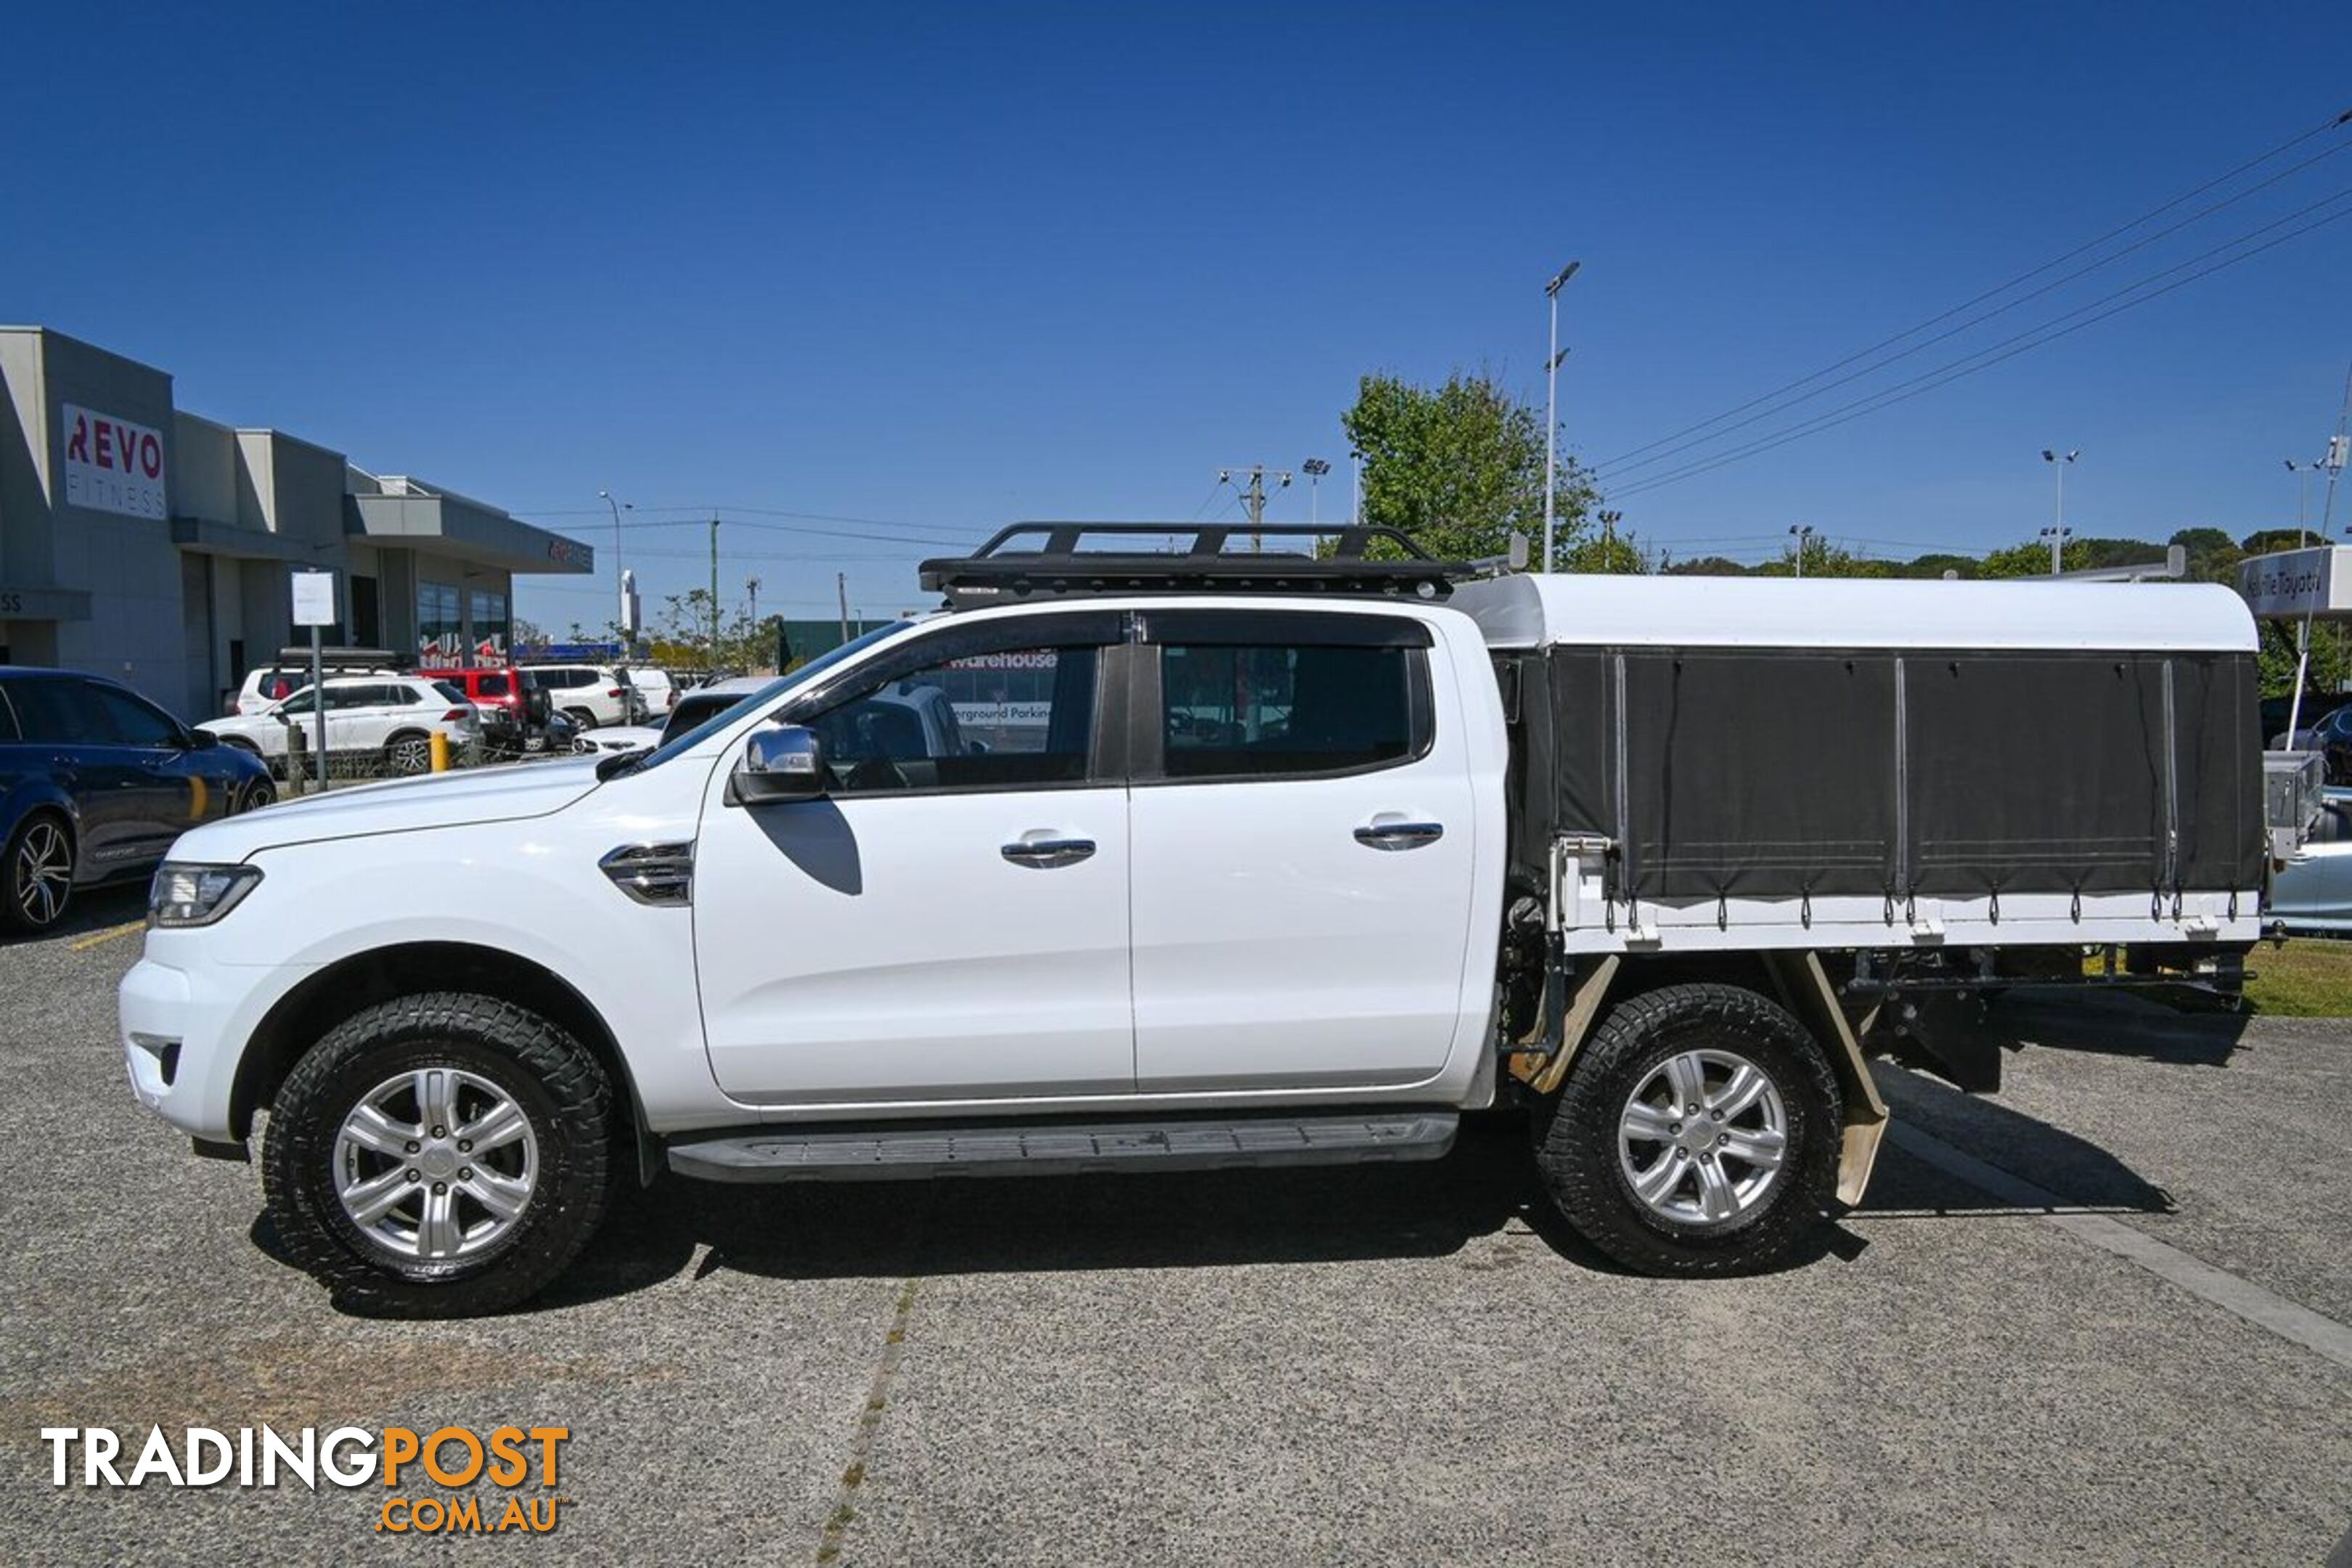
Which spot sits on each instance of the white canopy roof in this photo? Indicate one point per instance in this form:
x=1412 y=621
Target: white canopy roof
x=1526 y=609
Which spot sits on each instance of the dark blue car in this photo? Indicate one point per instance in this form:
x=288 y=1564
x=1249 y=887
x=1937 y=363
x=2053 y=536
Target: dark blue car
x=95 y=782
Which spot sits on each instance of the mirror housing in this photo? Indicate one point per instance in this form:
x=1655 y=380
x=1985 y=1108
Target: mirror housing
x=784 y=763
x=201 y=740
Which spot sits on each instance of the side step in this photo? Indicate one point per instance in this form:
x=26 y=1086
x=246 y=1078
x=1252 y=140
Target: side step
x=868 y=1154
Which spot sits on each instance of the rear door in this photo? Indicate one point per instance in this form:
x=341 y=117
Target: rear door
x=66 y=731
x=1302 y=849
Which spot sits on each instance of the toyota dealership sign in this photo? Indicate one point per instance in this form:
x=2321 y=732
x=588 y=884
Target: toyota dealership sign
x=112 y=465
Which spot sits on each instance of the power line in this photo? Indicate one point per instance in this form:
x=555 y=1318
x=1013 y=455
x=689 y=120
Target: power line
x=2025 y=277
x=2007 y=349
x=1978 y=319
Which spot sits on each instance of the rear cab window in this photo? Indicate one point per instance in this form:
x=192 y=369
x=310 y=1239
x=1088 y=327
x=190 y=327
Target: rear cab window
x=1273 y=694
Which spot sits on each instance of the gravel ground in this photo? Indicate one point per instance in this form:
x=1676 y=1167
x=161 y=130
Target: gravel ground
x=1389 y=1365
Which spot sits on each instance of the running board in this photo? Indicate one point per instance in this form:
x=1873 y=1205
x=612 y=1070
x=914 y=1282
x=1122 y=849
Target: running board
x=802 y=1154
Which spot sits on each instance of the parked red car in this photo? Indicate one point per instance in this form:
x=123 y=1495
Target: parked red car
x=498 y=692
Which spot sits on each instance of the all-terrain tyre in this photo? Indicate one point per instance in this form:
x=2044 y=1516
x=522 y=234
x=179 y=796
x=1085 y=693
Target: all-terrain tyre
x=440 y=1155
x=1697 y=1134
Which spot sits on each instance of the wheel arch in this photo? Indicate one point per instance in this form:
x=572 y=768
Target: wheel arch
x=304 y=1015
x=1795 y=980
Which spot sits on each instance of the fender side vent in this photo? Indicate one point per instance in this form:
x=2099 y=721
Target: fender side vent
x=653 y=873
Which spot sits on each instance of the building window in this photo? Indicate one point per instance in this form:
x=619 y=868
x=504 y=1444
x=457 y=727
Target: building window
x=440 y=637
x=367 y=623
x=492 y=625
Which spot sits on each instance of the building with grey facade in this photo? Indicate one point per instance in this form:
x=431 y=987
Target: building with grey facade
x=158 y=547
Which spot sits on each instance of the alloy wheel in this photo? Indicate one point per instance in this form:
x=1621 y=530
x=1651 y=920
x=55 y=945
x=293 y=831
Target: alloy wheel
x=412 y=755
x=435 y=1164
x=42 y=877
x=1703 y=1137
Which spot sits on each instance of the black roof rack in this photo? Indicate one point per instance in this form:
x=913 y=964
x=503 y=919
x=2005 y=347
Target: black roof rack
x=1004 y=569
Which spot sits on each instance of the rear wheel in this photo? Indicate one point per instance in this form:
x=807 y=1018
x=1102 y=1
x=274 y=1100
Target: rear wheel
x=36 y=874
x=258 y=793
x=410 y=752
x=439 y=1156
x=584 y=718
x=1696 y=1135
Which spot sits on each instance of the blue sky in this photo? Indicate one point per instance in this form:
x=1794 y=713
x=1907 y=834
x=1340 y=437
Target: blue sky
x=935 y=268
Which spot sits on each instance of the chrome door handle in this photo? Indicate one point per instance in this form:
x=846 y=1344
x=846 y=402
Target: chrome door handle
x=1047 y=853
x=1400 y=835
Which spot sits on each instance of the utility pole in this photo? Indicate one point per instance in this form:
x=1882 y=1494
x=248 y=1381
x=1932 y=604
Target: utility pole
x=2058 y=535
x=841 y=586
x=1552 y=357
x=1254 y=495
x=714 y=590
x=751 y=586
x=1803 y=534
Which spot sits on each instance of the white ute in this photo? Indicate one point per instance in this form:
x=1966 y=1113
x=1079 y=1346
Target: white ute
x=1145 y=860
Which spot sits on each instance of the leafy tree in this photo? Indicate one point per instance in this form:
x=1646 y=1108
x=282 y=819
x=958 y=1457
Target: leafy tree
x=1936 y=563
x=1823 y=559
x=1459 y=468
x=682 y=635
x=1704 y=567
x=1606 y=552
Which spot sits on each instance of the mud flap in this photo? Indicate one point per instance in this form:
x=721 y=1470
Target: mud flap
x=1808 y=994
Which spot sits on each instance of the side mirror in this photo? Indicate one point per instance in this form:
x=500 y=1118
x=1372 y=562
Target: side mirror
x=201 y=740
x=786 y=763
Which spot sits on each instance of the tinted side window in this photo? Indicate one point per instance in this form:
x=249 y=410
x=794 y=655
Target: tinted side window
x=491 y=685
x=135 y=722
x=58 y=711
x=1257 y=712
x=1013 y=720
x=7 y=716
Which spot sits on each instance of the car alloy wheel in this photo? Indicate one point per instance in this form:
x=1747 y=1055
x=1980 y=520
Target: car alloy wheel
x=1702 y=1137
x=41 y=880
x=435 y=1164
x=410 y=754
x=258 y=793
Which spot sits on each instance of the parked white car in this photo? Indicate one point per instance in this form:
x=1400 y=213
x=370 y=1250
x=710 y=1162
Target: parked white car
x=692 y=708
x=394 y=715
x=276 y=682
x=587 y=694
x=656 y=691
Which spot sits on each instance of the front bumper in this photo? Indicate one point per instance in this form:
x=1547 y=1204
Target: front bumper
x=184 y=1024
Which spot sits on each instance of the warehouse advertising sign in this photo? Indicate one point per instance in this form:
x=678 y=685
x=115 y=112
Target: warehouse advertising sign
x=112 y=465
x=2299 y=583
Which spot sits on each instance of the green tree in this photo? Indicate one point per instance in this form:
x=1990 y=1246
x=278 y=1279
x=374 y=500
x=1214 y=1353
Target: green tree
x=682 y=635
x=1459 y=468
x=1704 y=567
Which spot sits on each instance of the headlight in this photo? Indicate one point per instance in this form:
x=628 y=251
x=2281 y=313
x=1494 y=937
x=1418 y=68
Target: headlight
x=192 y=895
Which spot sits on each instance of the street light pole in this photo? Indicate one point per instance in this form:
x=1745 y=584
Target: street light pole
x=620 y=586
x=1552 y=357
x=1315 y=468
x=2058 y=535
x=2302 y=472
x=1803 y=534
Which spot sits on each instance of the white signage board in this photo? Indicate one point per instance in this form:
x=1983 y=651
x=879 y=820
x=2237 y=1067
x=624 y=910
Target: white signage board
x=314 y=598
x=2298 y=583
x=112 y=465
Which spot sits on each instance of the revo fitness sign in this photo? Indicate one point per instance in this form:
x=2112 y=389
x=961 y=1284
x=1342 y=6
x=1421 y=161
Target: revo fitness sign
x=112 y=465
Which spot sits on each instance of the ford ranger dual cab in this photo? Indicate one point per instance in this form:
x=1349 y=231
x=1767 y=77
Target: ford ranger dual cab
x=1230 y=859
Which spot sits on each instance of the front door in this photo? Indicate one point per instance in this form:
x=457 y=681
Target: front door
x=950 y=920
x=1303 y=856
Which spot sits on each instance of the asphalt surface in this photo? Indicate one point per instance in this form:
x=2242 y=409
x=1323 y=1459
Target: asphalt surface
x=1407 y=1364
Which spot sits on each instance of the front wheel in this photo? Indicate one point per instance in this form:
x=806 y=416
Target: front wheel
x=439 y=1156
x=1696 y=1135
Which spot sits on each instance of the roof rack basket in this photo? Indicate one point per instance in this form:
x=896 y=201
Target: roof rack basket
x=1184 y=557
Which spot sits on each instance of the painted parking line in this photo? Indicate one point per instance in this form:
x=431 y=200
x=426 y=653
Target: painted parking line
x=2241 y=1297
x=109 y=934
